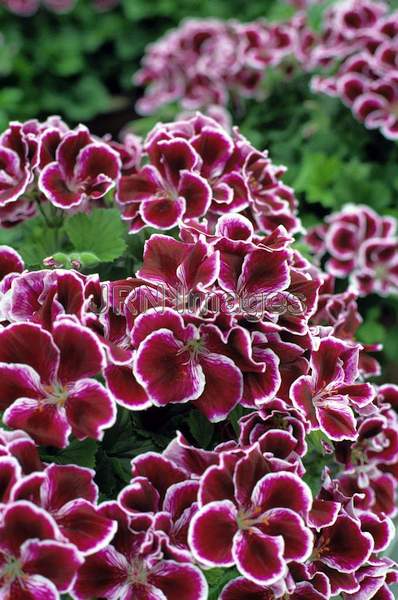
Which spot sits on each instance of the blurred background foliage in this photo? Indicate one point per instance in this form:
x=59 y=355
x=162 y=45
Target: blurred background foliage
x=80 y=64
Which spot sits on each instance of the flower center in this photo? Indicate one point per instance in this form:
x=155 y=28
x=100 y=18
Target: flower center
x=251 y=518
x=56 y=394
x=194 y=348
x=12 y=570
x=137 y=573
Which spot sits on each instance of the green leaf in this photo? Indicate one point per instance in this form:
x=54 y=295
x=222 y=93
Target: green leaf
x=372 y=331
x=80 y=453
x=218 y=579
x=315 y=15
x=101 y=233
x=201 y=428
x=318 y=173
x=38 y=241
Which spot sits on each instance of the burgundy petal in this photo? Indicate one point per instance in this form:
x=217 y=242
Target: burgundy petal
x=103 y=574
x=81 y=353
x=64 y=483
x=259 y=557
x=33 y=587
x=337 y=420
x=243 y=589
x=223 y=389
x=18 y=381
x=197 y=193
x=282 y=490
x=165 y=371
x=178 y=581
x=139 y=496
x=82 y=524
x=323 y=513
x=163 y=213
x=46 y=423
x=53 y=185
x=54 y=560
x=296 y=536
x=89 y=409
x=29 y=344
x=214 y=549
x=125 y=388
x=22 y=521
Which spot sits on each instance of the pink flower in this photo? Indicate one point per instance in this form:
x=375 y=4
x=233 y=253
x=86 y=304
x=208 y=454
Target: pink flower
x=328 y=395
x=251 y=518
x=33 y=563
x=41 y=296
x=68 y=494
x=83 y=169
x=47 y=387
x=17 y=158
x=194 y=166
x=132 y=567
x=225 y=59
x=174 y=363
x=361 y=245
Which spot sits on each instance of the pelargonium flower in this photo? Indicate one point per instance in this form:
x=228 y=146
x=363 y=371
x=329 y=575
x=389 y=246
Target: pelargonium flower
x=340 y=550
x=41 y=296
x=251 y=518
x=10 y=261
x=340 y=312
x=276 y=426
x=183 y=179
x=19 y=445
x=132 y=566
x=69 y=495
x=18 y=156
x=328 y=396
x=364 y=39
x=47 y=384
x=33 y=562
x=298 y=585
x=176 y=363
x=83 y=169
x=161 y=488
x=239 y=55
x=378 y=271
x=361 y=245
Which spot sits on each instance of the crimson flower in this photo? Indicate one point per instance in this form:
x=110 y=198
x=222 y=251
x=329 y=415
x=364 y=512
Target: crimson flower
x=47 y=385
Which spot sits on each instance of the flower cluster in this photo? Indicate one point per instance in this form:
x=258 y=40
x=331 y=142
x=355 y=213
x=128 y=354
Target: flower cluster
x=360 y=245
x=27 y=8
x=209 y=62
x=244 y=505
x=225 y=321
x=364 y=37
x=229 y=60
x=47 y=163
x=193 y=168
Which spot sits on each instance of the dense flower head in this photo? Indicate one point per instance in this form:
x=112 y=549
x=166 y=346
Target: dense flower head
x=47 y=162
x=194 y=167
x=48 y=385
x=360 y=245
x=363 y=37
x=226 y=60
x=354 y=58
x=223 y=327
